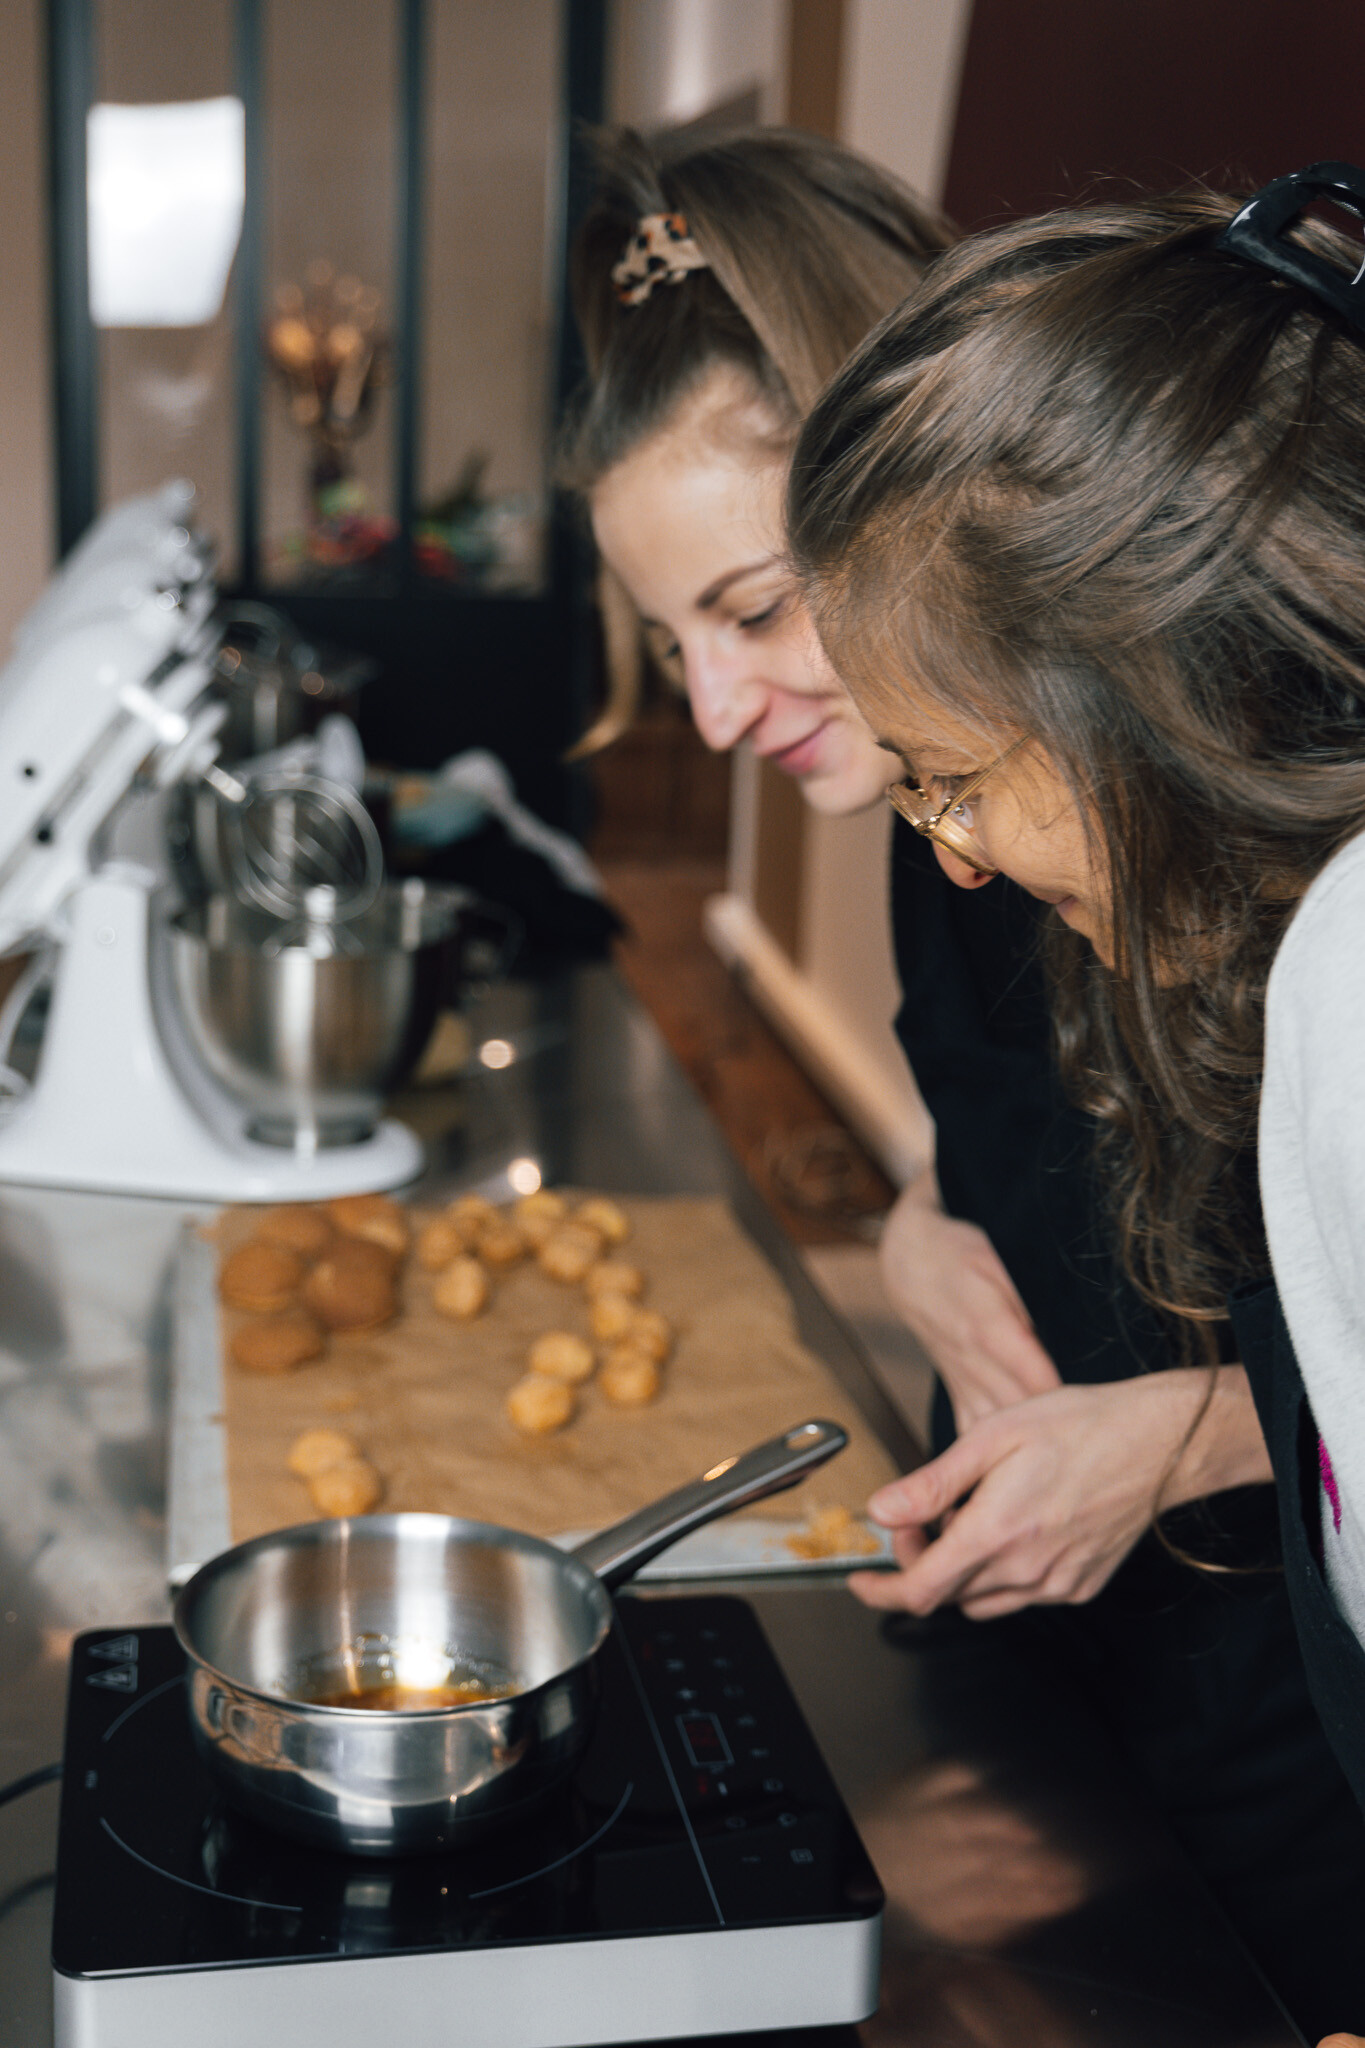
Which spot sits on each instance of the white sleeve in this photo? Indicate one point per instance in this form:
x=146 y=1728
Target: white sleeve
x=1312 y=1162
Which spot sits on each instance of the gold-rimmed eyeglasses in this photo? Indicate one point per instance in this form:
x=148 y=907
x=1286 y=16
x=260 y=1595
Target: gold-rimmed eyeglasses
x=939 y=810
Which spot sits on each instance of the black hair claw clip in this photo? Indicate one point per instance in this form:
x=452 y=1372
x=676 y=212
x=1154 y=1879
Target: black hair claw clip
x=1257 y=235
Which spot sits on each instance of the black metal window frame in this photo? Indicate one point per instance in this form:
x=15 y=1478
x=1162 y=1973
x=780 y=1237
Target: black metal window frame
x=71 y=91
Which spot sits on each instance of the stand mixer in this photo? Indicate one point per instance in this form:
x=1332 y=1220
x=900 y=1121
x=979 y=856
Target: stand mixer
x=105 y=707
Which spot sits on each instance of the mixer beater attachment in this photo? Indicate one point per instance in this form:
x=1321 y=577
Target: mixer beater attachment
x=304 y=850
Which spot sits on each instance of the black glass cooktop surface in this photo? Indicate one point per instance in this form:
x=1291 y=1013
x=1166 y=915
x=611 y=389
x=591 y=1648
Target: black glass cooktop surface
x=702 y=1802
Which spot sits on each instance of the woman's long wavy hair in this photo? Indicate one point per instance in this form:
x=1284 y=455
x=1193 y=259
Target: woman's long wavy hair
x=807 y=245
x=1103 y=485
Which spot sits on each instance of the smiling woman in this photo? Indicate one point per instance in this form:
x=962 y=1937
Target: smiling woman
x=701 y=373
x=691 y=522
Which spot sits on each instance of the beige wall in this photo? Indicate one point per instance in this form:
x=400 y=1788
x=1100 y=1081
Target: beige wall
x=488 y=318
x=898 y=94
x=674 y=60
x=26 y=514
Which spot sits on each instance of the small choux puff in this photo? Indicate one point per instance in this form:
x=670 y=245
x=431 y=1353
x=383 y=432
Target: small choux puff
x=500 y=1243
x=650 y=1332
x=298 y=1227
x=562 y=1356
x=537 y=1214
x=261 y=1277
x=611 y=1316
x=439 y=1242
x=375 y=1218
x=316 y=1449
x=470 y=1214
x=539 y=1406
x=275 y=1344
x=350 y=1488
x=614 y=1276
x=461 y=1292
x=568 y=1252
x=629 y=1377
x=606 y=1218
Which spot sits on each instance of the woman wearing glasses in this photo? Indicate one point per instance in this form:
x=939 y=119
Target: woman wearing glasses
x=1083 y=530
x=717 y=293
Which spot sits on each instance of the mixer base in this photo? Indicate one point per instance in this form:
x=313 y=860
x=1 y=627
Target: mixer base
x=108 y=1114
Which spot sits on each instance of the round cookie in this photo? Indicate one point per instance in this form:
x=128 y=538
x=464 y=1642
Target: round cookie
x=352 y=1288
x=298 y=1226
x=261 y=1277
x=374 y=1218
x=277 y=1344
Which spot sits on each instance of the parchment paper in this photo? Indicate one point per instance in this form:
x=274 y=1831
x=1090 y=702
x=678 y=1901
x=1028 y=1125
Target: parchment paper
x=424 y=1397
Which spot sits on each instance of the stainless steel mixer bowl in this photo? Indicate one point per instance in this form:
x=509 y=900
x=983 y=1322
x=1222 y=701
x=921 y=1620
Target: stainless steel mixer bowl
x=311 y=1040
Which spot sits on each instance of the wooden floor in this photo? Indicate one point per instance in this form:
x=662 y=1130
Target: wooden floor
x=789 y=1138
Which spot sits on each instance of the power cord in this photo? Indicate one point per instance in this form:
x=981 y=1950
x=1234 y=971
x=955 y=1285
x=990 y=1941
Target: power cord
x=29 y=1783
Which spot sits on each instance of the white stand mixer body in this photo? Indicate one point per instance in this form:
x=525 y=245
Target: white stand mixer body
x=109 y=674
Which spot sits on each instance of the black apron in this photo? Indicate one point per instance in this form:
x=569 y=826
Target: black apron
x=1333 y=1659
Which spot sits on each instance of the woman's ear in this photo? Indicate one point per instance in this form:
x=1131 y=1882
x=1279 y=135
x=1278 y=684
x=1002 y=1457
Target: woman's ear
x=961 y=871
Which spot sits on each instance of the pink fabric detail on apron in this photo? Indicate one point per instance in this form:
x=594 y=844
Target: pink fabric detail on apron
x=1329 y=1484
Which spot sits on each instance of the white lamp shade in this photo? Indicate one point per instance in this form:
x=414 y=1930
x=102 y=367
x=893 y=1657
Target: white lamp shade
x=165 y=187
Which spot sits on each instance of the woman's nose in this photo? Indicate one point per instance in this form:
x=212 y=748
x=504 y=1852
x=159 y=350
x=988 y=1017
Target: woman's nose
x=961 y=871
x=727 y=698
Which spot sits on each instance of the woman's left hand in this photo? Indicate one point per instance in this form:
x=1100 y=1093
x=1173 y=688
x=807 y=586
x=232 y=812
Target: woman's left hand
x=1043 y=1500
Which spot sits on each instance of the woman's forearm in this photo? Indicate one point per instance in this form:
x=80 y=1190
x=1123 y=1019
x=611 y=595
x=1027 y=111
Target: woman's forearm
x=1225 y=1446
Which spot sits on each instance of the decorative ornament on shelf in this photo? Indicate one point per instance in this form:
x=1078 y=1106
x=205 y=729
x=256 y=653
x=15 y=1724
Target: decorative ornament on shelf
x=325 y=341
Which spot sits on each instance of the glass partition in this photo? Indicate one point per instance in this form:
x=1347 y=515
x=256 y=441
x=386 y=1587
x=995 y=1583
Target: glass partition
x=492 y=121
x=329 y=117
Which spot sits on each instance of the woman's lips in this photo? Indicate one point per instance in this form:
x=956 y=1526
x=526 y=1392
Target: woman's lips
x=802 y=755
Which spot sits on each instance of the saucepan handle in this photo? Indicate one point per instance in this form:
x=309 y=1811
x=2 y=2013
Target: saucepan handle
x=616 y=1554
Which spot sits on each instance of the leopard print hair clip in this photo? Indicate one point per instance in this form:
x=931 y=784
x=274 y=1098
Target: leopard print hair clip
x=661 y=251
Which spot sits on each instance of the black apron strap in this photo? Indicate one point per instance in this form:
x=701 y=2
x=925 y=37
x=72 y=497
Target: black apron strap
x=1333 y=1659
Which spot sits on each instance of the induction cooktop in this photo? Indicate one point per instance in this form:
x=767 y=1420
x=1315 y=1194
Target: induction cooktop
x=699 y=1875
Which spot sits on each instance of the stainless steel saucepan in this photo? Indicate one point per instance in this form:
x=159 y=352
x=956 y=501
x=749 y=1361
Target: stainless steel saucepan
x=287 y=1636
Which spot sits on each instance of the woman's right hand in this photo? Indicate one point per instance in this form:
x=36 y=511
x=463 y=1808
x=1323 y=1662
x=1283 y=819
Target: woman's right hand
x=948 y=1283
